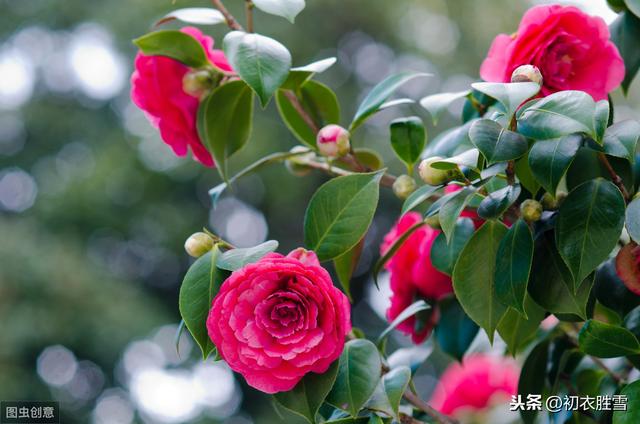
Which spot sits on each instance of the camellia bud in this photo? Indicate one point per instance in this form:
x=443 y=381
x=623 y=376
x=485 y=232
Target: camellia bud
x=333 y=141
x=198 y=244
x=297 y=165
x=549 y=202
x=527 y=73
x=433 y=176
x=531 y=210
x=628 y=266
x=403 y=186
x=433 y=222
x=197 y=82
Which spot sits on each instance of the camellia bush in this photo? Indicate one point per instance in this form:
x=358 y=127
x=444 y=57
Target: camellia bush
x=527 y=211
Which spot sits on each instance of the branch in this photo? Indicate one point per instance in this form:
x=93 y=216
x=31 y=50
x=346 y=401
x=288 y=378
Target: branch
x=295 y=102
x=231 y=21
x=249 y=12
x=614 y=176
x=428 y=409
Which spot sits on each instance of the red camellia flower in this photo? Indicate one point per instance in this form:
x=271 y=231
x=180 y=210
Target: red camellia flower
x=275 y=320
x=573 y=51
x=628 y=266
x=481 y=381
x=157 y=89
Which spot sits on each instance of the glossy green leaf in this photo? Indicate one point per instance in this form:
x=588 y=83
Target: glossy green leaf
x=450 y=142
x=262 y=62
x=625 y=33
x=632 y=413
x=451 y=210
x=380 y=94
x=497 y=202
x=601 y=120
x=525 y=174
x=497 y=144
x=455 y=330
x=369 y=158
x=550 y=159
x=389 y=391
x=589 y=226
x=612 y=292
x=632 y=220
x=510 y=95
x=436 y=104
x=346 y=264
x=513 y=265
x=298 y=76
x=194 y=15
x=199 y=287
x=288 y=9
x=234 y=259
x=589 y=380
x=408 y=137
x=557 y=115
x=320 y=103
x=468 y=158
x=409 y=311
x=307 y=396
x=340 y=213
x=358 y=375
x=174 y=44
x=532 y=377
x=444 y=255
x=226 y=121
x=607 y=341
x=473 y=277
x=517 y=330
x=621 y=140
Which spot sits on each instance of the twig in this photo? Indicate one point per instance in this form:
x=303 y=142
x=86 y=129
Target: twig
x=614 y=375
x=511 y=172
x=295 y=102
x=428 y=409
x=614 y=176
x=231 y=21
x=249 y=12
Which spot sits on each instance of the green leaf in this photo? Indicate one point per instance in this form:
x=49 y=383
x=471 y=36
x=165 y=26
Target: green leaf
x=496 y=203
x=340 y=213
x=300 y=75
x=468 y=158
x=451 y=210
x=557 y=115
x=551 y=284
x=550 y=159
x=174 y=44
x=589 y=380
x=516 y=329
x=437 y=103
x=450 y=142
x=262 y=62
x=389 y=391
x=621 y=140
x=319 y=101
x=589 y=226
x=510 y=95
x=625 y=33
x=408 y=137
x=345 y=264
x=226 y=121
x=408 y=312
x=194 y=15
x=234 y=259
x=200 y=285
x=358 y=375
x=532 y=377
x=633 y=220
x=393 y=249
x=496 y=143
x=380 y=94
x=601 y=120
x=444 y=255
x=607 y=341
x=288 y=9
x=632 y=413
x=525 y=174
x=473 y=277
x=307 y=396
x=513 y=265
x=611 y=292
x=455 y=330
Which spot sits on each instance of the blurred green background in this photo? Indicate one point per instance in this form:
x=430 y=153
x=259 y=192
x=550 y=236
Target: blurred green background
x=94 y=208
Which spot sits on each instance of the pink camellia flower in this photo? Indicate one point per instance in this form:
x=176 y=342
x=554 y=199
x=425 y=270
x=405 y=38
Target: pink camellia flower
x=157 y=89
x=480 y=382
x=333 y=141
x=278 y=319
x=573 y=51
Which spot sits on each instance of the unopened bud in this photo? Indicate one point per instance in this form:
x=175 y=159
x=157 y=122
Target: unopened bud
x=527 y=73
x=403 y=186
x=434 y=176
x=531 y=210
x=198 y=244
x=433 y=222
x=197 y=82
x=297 y=165
x=333 y=141
x=549 y=202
